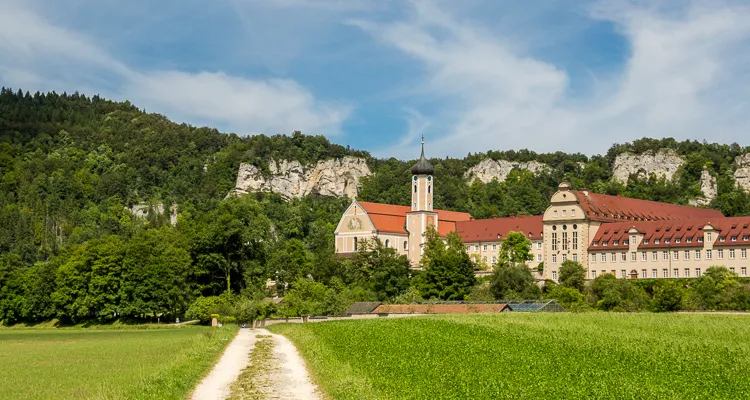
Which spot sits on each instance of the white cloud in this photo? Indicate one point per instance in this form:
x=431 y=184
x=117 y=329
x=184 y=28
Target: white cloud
x=687 y=69
x=37 y=55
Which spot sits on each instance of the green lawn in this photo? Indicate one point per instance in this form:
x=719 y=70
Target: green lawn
x=522 y=355
x=107 y=364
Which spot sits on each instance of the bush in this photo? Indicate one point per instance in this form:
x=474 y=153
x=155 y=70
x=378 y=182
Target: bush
x=202 y=308
x=667 y=297
x=512 y=281
x=608 y=293
x=567 y=297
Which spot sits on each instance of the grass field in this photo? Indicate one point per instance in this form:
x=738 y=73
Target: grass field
x=107 y=364
x=520 y=355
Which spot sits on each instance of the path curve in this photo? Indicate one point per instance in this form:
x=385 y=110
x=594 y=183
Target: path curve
x=216 y=385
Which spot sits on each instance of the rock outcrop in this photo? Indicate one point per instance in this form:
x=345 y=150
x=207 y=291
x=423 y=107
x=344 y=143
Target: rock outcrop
x=664 y=162
x=742 y=173
x=335 y=177
x=708 y=187
x=142 y=210
x=488 y=169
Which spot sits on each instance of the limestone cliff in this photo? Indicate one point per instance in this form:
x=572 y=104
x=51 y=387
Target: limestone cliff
x=335 y=177
x=742 y=173
x=664 y=162
x=708 y=187
x=489 y=168
x=142 y=210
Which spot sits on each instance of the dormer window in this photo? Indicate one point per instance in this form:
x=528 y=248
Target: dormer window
x=625 y=242
x=656 y=241
x=690 y=240
x=604 y=244
x=700 y=239
x=645 y=241
x=596 y=243
x=678 y=240
x=616 y=242
x=666 y=241
x=745 y=238
x=734 y=238
x=722 y=238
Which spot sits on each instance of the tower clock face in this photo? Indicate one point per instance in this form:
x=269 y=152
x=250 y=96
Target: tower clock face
x=355 y=224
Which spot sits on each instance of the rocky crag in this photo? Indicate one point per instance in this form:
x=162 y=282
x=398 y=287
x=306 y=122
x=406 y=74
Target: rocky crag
x=488 y=169
x=663 y=163
x=290 y=179
x=742 y=173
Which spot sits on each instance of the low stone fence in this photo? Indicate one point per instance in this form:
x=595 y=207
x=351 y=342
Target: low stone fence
x=262 y=323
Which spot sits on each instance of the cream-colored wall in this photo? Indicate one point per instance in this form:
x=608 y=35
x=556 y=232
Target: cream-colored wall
x=354 y=223
x=564 y=212
x=421 y=200
x=477 y=249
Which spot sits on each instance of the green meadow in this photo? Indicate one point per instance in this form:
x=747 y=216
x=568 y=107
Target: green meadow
x=529 y=356
x=107 y=364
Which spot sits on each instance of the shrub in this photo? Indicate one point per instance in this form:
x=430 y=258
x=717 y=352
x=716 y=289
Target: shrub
x=567 y=297
x=667 y=297
x=611 y=294
x=202 y=308
x=511 y=281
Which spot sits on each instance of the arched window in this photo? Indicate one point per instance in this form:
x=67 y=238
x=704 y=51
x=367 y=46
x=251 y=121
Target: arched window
x=415 y=188
x=386 y=242
x=429 y=188
x=405 y=245
x=355 y=243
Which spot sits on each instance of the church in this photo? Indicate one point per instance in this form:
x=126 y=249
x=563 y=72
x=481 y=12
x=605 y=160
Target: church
x=628 y=238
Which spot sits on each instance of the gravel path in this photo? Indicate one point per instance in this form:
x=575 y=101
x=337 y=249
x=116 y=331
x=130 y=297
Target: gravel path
x=216 y=385
x=287 y=376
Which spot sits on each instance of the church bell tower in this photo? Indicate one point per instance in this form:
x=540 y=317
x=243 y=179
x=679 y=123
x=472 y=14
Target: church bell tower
x=421 y=215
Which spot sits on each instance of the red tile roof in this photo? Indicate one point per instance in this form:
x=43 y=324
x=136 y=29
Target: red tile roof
x=392 y=218
x=680 y=233
x=491 y=230
x=606 y=208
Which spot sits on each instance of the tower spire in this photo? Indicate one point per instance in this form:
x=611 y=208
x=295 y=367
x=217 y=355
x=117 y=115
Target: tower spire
x=422 y=156
x=422 y=167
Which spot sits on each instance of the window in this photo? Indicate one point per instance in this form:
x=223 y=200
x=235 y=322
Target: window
x=538 y=245
x=665 y=255
x=554 y=241
x=616 y=242
x=554 y=275
x=690 y=240
x=407 y=244
x=565 y=241
x=632 y=238
x=575 y=240
x=708 y=236
x=708 y=254
x=734 y=238
x=676 y=273
x=476 y=247
x=700 y=239
x=697 y=254
x=468 y=248
x=555 y=213
x=746 y=237
x=654 y=256
x=593 y=274
x=731 y=254
x=605 y=244
x=731 y=269
x=554 y=259
x=678 y=240
x=644 y=256
x=484 y=247
x=643 y=273
x=697 y=272
x=722 y=238
x=743 y=271
x=604 y=257
x=623 y=273
x=656 y=241
x=564 y=257
x=428 y=189
x=387 y=243
x=645 y=241
x=687 y=254
x=596 y=243
x=665 y=273
x=743 y=253
x=494 y=259
x=624 y=257
x=687 y=272
x=676 y=255
x=575 y=257
x=653 y=274
x=494 y=247
x=625 y=242
x=565 y=213
x=666 y=241
x=613 y=257
x=573 y=213
x=415 y=188
x=356 y=241
x=539 y=257
x=632 y=256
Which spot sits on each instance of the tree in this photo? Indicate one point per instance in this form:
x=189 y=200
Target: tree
x=608 y=293
x=448 y=273
x=380 y=269
x=515 y=249
x=513 y=281
x=572 y=275
x=667 y=297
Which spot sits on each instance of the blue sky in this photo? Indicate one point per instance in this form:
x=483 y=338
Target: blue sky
x=471 y=76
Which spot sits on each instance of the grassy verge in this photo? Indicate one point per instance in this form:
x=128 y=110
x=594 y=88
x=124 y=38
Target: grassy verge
x=253 y=383
x=107 y=364
x=545 y=356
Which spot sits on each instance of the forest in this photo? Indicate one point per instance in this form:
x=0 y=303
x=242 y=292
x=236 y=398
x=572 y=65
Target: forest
x=72 y=169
